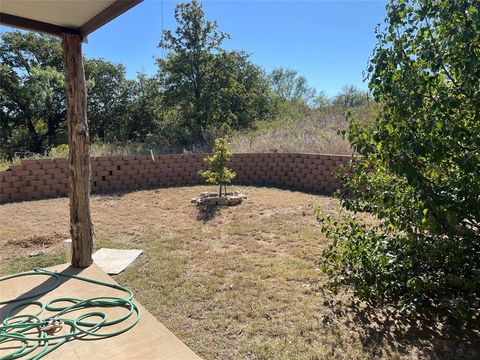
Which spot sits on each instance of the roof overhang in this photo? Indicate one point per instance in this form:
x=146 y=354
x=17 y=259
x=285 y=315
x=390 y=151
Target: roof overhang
x=55 y=17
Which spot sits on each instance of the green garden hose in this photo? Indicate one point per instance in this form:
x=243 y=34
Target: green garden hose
x=22 y=327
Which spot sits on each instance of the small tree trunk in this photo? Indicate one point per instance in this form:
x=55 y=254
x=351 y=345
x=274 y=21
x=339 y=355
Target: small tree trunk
x=220 y=191
x=51 y=130
x=79 y=158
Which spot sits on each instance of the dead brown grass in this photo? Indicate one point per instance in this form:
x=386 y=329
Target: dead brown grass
x=233 y=283
x=303 y=131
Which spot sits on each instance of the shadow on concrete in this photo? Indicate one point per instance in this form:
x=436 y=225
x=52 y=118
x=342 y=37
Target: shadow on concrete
x=16 y=305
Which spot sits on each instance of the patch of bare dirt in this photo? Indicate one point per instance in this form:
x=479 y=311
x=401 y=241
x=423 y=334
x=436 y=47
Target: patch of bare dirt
x=35 y=241
x=15 y=249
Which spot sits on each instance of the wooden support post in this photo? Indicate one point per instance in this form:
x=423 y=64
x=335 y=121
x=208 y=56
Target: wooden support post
x=79 y=158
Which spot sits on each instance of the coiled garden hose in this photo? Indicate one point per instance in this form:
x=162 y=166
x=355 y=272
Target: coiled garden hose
x=22 y=327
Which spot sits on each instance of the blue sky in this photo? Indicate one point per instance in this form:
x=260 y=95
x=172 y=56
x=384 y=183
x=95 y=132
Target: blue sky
x=329 y=42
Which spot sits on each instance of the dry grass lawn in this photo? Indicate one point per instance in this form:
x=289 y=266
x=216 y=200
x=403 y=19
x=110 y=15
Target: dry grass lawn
x=236 y=283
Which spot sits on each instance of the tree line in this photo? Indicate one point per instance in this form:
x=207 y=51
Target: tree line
x=200 y=91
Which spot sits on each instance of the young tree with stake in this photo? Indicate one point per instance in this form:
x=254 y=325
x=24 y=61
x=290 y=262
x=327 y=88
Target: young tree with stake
x=217 y=172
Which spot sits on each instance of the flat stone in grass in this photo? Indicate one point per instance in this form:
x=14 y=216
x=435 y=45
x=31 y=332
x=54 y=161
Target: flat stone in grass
x=114 y=261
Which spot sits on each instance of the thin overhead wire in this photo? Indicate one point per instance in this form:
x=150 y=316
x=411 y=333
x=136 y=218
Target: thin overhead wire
x=162 y=27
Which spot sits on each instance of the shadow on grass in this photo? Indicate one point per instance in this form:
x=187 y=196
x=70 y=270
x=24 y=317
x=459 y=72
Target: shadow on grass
x=436 y=335
x=207 y=212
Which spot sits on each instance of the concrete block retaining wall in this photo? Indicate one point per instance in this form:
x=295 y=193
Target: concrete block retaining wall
x=48 y=178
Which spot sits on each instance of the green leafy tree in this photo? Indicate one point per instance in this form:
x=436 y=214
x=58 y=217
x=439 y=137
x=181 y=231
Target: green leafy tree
x=287 y=85
x=32 y=95
x=322 y=101
x=350 y=96
x=217 y=172
x=109 y=95
x=188 y=66
x=425 y=149
x=204 y=86
x=239 y=93
x=144 y=108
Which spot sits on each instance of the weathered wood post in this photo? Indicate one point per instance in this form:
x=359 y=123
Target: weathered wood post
x=79 y=158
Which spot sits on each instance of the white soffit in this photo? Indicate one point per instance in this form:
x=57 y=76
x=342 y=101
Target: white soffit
x=57 y=16
x=66 y=13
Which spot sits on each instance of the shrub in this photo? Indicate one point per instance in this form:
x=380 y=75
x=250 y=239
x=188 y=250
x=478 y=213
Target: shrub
x=425 y=148
x=59 y=151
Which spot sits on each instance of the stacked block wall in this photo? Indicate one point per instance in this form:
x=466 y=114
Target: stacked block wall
x=48 y=178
